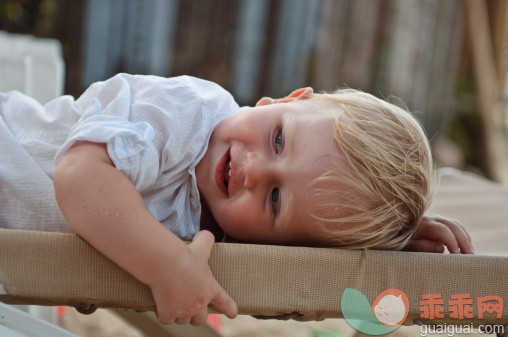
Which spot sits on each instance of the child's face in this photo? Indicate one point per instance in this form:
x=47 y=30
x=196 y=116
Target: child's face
x=274 y=152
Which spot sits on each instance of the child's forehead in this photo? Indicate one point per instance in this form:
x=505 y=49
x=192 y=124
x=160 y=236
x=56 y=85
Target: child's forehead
x=317 y=128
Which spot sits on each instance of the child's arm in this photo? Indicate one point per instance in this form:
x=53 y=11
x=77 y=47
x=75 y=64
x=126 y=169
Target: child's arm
x=435 y=232
x=104 y=208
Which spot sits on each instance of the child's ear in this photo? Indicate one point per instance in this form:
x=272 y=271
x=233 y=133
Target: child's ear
x=302 y=93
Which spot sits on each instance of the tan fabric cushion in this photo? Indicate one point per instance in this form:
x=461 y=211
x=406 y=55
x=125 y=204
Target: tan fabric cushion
x=292 y=282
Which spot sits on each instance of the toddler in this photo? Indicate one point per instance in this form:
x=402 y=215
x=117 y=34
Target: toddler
x=135 y=156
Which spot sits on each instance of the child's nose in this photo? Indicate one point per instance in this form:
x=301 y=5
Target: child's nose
x=254 y=170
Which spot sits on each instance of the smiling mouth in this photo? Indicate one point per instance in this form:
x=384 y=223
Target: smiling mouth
x=223 y=172
x=227 y=172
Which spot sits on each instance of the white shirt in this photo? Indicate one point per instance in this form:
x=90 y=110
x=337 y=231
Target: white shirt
x=156 y=131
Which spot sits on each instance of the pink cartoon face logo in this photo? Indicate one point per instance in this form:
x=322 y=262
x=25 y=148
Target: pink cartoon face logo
x=391 y=307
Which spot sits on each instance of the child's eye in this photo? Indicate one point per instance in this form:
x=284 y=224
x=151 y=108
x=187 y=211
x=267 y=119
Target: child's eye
x=274 y=201
x=278 y=140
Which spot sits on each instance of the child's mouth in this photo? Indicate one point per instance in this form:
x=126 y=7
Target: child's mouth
x=223 y=172
x=227 y=172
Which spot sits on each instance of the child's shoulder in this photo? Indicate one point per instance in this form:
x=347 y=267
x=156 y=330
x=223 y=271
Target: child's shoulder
x=208 y=92
x=185 y=89
x=198 y=84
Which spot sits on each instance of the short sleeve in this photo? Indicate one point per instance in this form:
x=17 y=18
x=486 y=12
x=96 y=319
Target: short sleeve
x=106 y=118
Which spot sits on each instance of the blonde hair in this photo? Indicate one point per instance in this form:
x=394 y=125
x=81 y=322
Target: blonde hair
x=383 y=169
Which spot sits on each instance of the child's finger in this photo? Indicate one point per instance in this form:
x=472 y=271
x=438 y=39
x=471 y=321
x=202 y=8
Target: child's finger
x=424 y=245
x=464 y=228
x=224 y=303
x=441 y=233
x=461 y=236
x=203 y=242
x=465 y=231
x=200 y=318
x=468 y=249
x=165 y=320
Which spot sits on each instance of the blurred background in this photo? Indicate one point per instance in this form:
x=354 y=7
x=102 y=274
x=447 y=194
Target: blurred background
x=446 y=60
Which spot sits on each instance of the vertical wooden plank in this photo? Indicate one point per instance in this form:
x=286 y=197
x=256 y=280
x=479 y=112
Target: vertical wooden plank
x=295 y=39
x=330 y=42
x=399 y=61
x=483 y=55
x=425 y=54
x=96 y=41
x=283 y=56
x=205 y=41
x=383 y=65
x=485 y=73
x=131 y=25
x=139 y=38
x=500 y=39
x=446 y=51
x=219 y=55
x=358 y=62
x=116 y=39
x=163 y=15
x=378 y=77
x=307 y=43
x=70 y=31
x=270 y=46
x=501 y=58
x=191 y=35
x=249 y=50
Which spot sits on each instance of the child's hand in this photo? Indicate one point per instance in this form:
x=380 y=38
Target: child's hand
x=435 y=232
x=183 y=295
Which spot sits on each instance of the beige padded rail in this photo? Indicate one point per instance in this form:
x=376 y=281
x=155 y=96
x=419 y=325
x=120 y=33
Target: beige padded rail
x=286 y=282
x=301 y=283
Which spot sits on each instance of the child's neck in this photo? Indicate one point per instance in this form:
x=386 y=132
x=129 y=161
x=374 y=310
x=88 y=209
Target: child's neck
x=208 y=222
